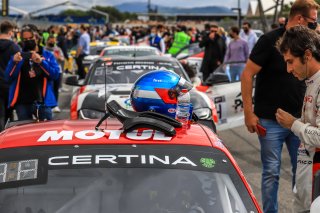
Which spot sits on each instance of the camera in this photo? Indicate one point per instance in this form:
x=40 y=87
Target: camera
x=26 y=55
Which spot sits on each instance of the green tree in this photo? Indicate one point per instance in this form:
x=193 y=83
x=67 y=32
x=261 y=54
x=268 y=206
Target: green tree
x=114 y=14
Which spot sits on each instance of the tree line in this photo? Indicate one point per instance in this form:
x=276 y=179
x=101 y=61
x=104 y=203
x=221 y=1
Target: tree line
x=114 y=14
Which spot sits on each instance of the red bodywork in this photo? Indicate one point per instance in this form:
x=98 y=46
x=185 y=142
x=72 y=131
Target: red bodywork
x=81 y=132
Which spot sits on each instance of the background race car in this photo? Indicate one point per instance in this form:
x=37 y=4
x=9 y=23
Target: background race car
x=95 y=49
x=68 y=167
x=226 y=94
x=112 y=79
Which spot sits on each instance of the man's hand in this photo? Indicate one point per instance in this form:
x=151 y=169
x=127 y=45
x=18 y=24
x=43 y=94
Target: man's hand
x=212 y=35
x=17 y=57
x=285 y=119
x=36 y=58
x=251 y=121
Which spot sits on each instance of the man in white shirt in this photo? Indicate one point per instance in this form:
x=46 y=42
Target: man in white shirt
x=299 y=47
x=248 y=35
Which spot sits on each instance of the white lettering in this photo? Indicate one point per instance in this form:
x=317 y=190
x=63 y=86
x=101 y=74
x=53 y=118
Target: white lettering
x=54 y=136
x=81 y=159
x=143 y=159
x=183 y=160
x=114 y=134
x=67 y=135
x=160 y=136
x=110 y=158
x=165 y=161
x=89 y=134
x=128 y=157
x=120 y=67
x=146 y=134
x=50 y=161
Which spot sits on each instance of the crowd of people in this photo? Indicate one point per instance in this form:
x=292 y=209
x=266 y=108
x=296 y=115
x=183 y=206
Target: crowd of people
x=32 y=82
x=33 y=61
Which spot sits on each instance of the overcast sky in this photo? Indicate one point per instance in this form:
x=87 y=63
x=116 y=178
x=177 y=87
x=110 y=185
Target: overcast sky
x=31 y=5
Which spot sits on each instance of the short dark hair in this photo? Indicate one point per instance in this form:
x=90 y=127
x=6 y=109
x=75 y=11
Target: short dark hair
x=302 y=7
x=27 y=28
x=6 y=27
x=297 y=40
x=235 y=29
x=214 y=26
x=51 y=36
x=83 y=27
x=246 y=23
x=183 y=28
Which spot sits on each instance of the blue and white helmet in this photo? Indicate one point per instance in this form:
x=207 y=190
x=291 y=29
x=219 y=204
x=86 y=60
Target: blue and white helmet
x=157 y=91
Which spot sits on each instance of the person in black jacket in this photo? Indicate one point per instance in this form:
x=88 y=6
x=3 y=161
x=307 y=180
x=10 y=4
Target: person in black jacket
x=7 y=49
x=215 y=49
x=62 y=42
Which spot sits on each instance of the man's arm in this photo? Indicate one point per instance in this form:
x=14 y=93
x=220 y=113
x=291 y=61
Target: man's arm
x=162 y=46
x=13 y=67
x=49 y=66
x=79 y=50
x=80 y=46
x=204 y=42
x=306 y=132
x=250 y=70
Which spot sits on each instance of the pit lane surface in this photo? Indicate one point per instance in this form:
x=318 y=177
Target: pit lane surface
x=244 y=147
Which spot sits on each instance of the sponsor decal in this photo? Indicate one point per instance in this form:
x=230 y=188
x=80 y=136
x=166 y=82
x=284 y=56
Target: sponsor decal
x=171 y=110
x=127 y=103
x=238 y=104
x=305 y=161
x=207 y=162
x=308 y=98
x=68 y=135
x=117 y=159
x=312 y=132
x=140 y=67
x=303 y=152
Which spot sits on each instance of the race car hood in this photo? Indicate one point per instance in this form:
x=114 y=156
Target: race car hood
x=95 y=99
x=82 y=132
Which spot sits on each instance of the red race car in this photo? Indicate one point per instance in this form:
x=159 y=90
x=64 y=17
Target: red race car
x=68 y=166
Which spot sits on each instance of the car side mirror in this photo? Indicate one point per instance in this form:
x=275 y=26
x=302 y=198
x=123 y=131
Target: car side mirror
x=73 y=81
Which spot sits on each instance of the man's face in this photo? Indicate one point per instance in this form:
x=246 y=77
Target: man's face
x=310 y=20
x=245 y=28
x=295 y=66
x=154 y=31
x=51 y=41
x=27 y=36
x=213 y=30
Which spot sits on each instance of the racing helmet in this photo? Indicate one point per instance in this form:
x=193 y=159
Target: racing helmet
x=157 y=91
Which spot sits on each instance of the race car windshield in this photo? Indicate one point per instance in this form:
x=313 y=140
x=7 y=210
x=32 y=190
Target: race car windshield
x=123 y=179
x=127 y=71
x=126 y=190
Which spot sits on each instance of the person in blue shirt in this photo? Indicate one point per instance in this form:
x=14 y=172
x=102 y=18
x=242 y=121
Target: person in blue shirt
x=156 y=41
x=82 y=51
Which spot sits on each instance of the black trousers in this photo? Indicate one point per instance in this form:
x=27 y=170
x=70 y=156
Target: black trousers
x=207 y=68
x=5 y=113
x=81 y=72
